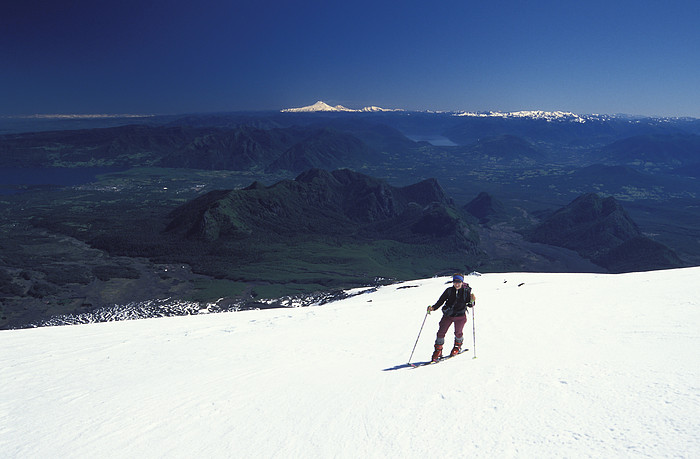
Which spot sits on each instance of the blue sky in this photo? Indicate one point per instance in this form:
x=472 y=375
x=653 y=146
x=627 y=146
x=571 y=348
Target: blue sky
x=74 y=56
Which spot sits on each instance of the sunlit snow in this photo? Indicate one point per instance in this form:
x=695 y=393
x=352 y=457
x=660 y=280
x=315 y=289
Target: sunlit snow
x=568 y=365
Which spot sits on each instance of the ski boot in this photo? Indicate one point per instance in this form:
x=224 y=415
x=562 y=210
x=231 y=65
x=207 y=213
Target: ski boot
x=437 y=355
x=457 y=348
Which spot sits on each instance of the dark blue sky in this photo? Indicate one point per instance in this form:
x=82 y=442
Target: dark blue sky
x=615 y=56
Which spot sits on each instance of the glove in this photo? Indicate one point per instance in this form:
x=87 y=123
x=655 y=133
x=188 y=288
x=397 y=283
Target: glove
x=430 y=309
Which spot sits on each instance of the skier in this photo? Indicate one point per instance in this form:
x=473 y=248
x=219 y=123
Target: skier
x=455 y=299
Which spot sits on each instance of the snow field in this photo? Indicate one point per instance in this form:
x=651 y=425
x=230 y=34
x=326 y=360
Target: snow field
x=568 y=365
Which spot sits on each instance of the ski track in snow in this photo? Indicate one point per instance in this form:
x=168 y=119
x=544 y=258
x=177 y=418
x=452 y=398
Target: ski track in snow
x=568 y=365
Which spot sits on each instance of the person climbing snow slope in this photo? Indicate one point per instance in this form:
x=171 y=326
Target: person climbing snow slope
x=454 y=302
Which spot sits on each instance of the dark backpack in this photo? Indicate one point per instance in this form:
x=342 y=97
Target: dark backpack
x=462 y=296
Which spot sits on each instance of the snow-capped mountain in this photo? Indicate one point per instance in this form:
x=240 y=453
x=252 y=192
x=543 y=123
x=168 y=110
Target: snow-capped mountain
x=549 y=116
x=321 y=106
x=562 y=116
x=534 y=114
x=569 y=365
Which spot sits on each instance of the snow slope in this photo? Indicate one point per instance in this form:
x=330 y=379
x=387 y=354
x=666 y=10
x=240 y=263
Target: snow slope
x=569 y=365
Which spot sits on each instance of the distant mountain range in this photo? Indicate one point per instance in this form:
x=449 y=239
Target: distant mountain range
x=322 y=228
x=321 y=106
x=549 y=190
x=552 y=116
x=347 y=206
x=562 y=116
x=601 y=230
x=240 y=148
x=317 y=202
x=534 y=114
x=295 y=143
x=674 y=150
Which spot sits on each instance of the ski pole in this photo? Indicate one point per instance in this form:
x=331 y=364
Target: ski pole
x=421 y=330
x=474 y=330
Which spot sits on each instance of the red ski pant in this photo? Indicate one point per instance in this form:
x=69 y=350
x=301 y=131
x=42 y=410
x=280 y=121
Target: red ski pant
x=445 y=323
